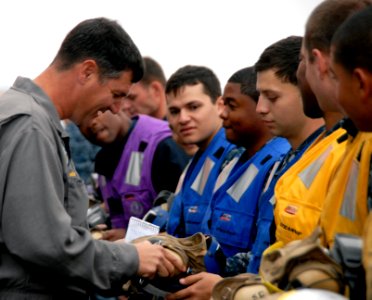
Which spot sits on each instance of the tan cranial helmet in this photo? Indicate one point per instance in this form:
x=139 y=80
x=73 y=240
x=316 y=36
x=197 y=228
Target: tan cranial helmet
x=302 y=263
x=241 y=287
x=189 y=251
x=306 y=294
x=315 y=275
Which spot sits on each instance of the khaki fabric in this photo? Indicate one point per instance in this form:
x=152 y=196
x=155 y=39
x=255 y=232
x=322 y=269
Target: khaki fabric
x=241 y=287
x=367 y=255
x=191 y=249
x=282 y=266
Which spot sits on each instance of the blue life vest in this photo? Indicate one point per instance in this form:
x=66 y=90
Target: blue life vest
x=232 y=214
x=196 y=186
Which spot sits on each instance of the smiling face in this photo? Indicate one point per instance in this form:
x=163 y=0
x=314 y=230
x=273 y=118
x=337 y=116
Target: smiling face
x=279 y=105
x=241 y=122
x=100 y=95
x=107 y=127
x=192 y=115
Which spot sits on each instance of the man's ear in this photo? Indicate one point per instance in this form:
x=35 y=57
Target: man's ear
x=321 y=61
x=220 y=105
x=157 y=89
x=87 y=69
x=363 y=79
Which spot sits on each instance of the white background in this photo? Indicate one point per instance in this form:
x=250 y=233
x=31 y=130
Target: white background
x=225 y=35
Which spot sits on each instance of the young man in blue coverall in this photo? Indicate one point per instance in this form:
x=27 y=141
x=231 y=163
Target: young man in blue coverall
x=231 y=217
x=194 y=103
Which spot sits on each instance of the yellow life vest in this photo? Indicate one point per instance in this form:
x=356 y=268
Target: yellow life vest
x=300 y=192
x=345 y=208
x=367 y=255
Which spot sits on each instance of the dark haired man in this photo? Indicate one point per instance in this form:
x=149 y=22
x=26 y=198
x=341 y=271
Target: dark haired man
x=46 y=250
x=352 y=69
x=194 y=103
x=281 y=108
x=148 y=97
x=233 y=210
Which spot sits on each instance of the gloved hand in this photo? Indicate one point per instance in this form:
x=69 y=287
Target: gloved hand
x=237 y=264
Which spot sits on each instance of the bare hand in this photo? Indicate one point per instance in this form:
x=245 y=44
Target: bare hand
x=154 y=260
x=200 y=287
x=113 y=234
x=100 y=227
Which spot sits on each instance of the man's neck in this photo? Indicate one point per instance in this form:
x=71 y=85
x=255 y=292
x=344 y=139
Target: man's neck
x=205 y=143
x=252 y=148
x=161 y=112
x=50 y=81
x=311 y=126
x=331 y=119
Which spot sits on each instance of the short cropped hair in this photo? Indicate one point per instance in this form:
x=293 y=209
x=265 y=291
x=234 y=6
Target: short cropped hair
x=193 y=75
x=153 y=72
x=283 y=57
x=324 y=21
x=104 y=41
x=247 y=78
x=352 y=42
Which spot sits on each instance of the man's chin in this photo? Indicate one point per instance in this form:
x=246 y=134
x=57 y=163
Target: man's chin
x=230 y=137
x=101 y=137
x=188 y=140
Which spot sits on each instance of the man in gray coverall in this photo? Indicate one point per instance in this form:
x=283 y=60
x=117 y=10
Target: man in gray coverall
x=46 y=251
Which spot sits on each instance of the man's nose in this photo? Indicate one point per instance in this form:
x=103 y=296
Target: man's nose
x=116 y=106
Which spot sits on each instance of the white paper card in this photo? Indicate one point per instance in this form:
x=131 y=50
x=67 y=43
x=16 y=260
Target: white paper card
x=139 y=228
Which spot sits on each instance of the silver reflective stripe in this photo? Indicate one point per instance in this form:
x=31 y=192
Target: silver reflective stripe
x=242 y=184
x=272 y=200
x=348 y=207
x=271 y=176
x=308 y=175
x=225 y=173
x=133 y=175
x=103 y=181
x=182 y=179
x=200 y=181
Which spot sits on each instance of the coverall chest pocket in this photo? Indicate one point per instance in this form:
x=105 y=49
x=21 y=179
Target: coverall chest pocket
x=233 y=228
x=76 y=203
x=194 y=215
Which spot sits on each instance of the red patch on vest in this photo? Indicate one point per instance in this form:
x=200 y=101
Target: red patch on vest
x=225 y=217
x=193 y=209
x=292 y=210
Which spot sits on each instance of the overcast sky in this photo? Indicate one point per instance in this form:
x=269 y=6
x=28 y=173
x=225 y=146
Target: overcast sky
x=225 y=35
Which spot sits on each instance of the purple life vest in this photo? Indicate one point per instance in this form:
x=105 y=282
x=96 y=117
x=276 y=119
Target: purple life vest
x=130 y=192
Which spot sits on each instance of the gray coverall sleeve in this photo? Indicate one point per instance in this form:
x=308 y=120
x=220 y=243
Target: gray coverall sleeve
x=37 y=229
